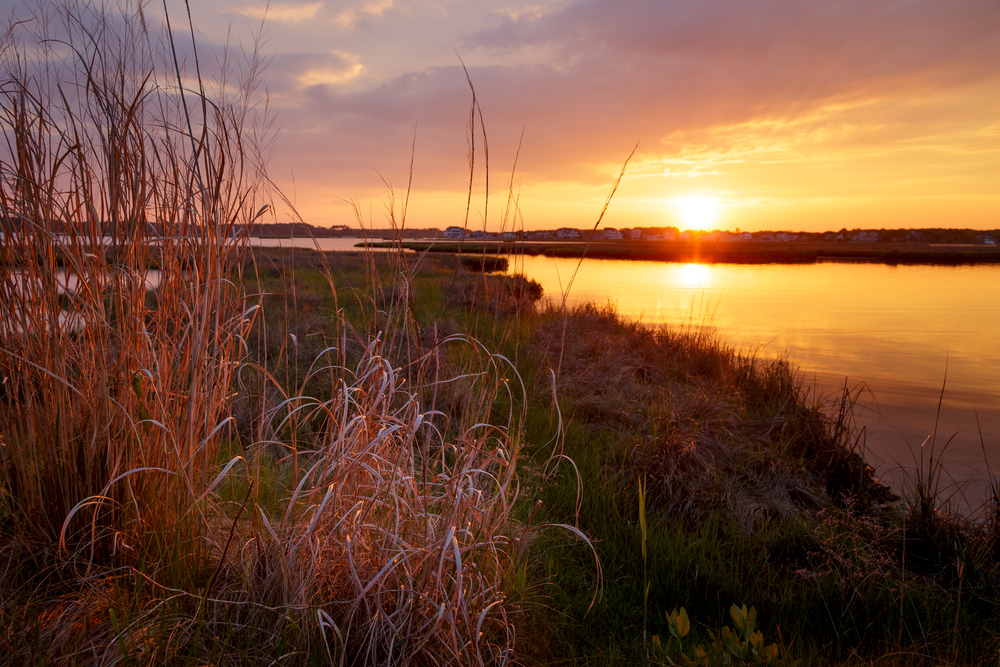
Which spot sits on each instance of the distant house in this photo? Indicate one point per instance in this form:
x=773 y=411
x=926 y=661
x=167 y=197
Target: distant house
x=669 y=236
x=611 y=234
x=784 y=237
x=477 y=235
x=685 y=236
x=510 y=236
x=989 y=240
x=635 y=234
x=454 y=233
x=565 y=233
x=865 y=237
x=652 y=237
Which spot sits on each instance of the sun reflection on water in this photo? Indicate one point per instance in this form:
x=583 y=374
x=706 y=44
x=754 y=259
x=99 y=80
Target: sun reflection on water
x=694 y=275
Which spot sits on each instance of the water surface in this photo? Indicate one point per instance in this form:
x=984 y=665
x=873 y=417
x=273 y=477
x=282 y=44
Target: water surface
x=339 y=244
x=900 y=330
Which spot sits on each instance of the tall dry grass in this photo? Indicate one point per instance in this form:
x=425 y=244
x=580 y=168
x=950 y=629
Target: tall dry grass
x=395 y=538
x=363 y=525
x=112 y=396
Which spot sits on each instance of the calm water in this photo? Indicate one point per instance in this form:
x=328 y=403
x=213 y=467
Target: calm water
x=894 y=328
x=338 y=244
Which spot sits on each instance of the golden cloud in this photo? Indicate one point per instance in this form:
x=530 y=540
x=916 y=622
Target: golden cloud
x=282 y=13
x=350 y=16
x=332 y=75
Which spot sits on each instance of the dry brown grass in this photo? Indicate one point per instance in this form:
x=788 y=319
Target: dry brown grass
x=356 y=527
x=112 y=398
x=397 y=539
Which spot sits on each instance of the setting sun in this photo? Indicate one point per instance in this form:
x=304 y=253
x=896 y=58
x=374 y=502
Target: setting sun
x=697 y=212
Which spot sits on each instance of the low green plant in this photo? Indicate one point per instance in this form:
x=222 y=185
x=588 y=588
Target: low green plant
x=741 y=644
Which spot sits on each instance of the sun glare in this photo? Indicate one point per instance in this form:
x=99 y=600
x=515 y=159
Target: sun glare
x=694 y=275
x=697 y=212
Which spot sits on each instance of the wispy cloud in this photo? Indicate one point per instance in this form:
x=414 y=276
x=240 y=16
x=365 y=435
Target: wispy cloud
x=281 y=13
x=347 y=67
x=528 y=12
x=352 y=15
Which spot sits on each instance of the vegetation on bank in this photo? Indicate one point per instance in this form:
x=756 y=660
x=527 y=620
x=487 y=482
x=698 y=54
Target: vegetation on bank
x=904 y=236
x=288 y=457
x=727 y=252
x=751 y=490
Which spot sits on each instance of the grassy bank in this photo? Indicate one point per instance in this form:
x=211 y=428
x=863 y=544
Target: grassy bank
x=731 y=252
x=752 y=491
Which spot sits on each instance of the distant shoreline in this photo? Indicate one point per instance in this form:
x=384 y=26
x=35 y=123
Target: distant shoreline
x=727 y=252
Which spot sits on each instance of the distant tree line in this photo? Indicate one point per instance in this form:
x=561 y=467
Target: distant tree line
x=10 y=224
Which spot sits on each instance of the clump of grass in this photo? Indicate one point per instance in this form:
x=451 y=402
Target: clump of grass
x=708 y=428
x=485 y=263
x=113 y=399
x=396 y=536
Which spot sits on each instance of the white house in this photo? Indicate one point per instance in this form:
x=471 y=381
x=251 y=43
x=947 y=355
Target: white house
x=611 y=234
x=865 y=237
x=454 y=233
x=567 y=233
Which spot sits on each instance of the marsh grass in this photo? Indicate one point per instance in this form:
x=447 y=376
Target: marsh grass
x=183 y=480
x=755 y=491
x=112 y=398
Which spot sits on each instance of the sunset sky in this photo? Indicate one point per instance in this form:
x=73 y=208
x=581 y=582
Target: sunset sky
x=787 y=114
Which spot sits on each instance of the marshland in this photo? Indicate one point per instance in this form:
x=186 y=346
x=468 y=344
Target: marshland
x=285 y=456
